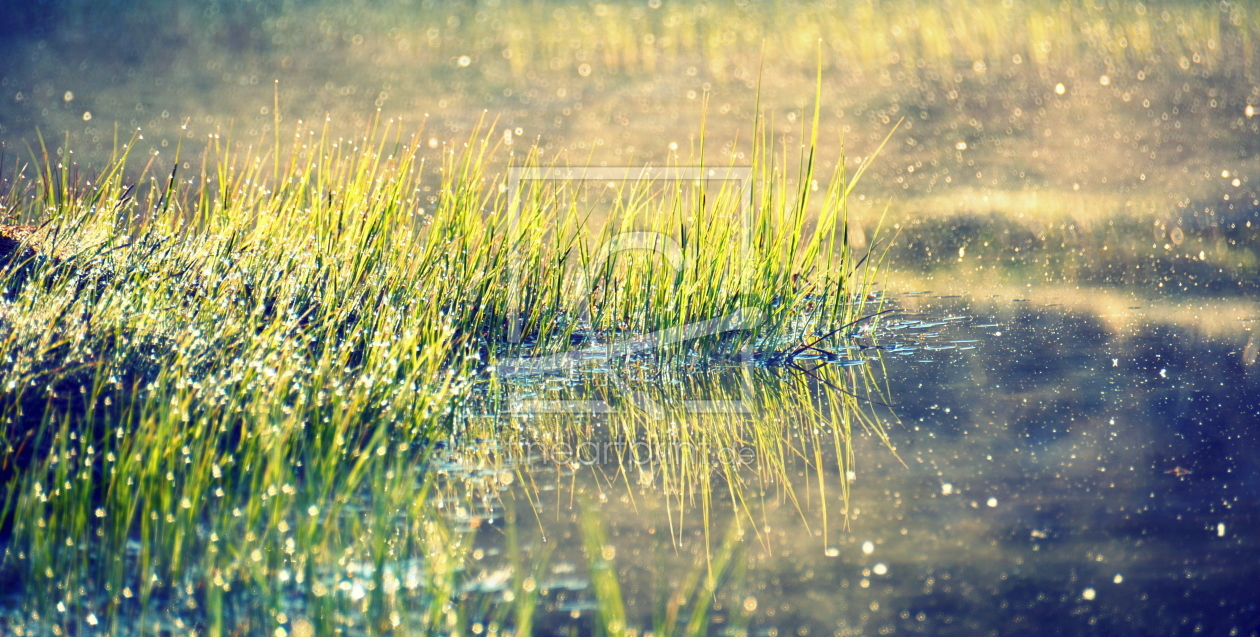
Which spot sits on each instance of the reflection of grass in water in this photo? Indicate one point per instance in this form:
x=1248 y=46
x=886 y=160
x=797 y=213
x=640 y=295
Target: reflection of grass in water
x=220 y=405
x=696 y=591
x=659 y=444
x=736 y=435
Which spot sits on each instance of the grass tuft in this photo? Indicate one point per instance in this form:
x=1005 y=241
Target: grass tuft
x=223 y=385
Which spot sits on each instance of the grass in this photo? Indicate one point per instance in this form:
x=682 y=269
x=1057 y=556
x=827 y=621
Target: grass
x=605 y=82
x=249 y=390
x=1170 y=120
x=222 y=396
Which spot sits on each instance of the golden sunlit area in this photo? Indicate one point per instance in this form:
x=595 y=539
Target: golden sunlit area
x=642 y=318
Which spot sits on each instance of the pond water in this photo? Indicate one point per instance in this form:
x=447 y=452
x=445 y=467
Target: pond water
x=1071 y=474
x=1055 y=430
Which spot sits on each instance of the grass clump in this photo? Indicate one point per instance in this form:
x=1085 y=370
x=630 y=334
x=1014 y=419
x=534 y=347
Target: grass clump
x=220 y=406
